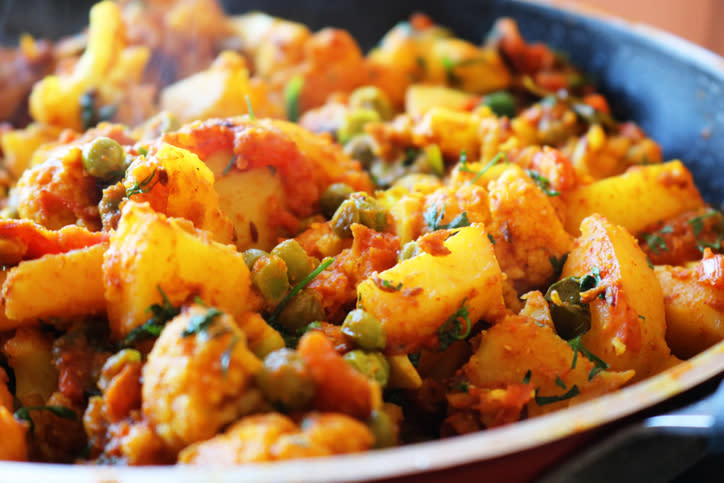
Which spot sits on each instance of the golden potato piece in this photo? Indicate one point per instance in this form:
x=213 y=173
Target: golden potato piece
x=198 y=377
x=628 y=322
x=149 y=251
x=30 y=355
x=421 y=98
x=694 y=303
x=60 y=285
x=512 y=348
x=219 y=91
x=434 y=288
x=636 y=199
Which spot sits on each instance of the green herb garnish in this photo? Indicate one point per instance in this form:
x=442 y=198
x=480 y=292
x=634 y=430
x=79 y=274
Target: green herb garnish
x=543 y=400
x=201 y=322
x=543 y=183
x=656 y=242
x=526 y=378
x=490 y=237
x=461 y=386
x=414 y=358
x=230 y=165
x=249 y=108
x=292 y=92
x=433 y=218
x=465 y=169
x=90 y=114
x=298 y=288
x=143 y=186
x=697 y=225
x=226 y=356
x=598 y=364
x=160 y=314
x=453 y=329
x=560 y=383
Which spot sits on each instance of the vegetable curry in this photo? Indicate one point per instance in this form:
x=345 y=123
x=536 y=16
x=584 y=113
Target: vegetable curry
x=280 y=247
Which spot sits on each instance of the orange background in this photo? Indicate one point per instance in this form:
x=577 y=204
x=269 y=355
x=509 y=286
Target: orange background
x=700 y=21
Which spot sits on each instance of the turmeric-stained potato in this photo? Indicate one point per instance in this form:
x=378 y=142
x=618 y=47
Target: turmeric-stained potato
x=518 y=345
x=150 y=252
x=198 y=377
x=219 y=91
x=30 y=356
x=421 y=98
x=13 y=446
x=452 y=131
x=56 y=285
x=636 y=199
x=19 y=145
x=694 y=303
x=177 y=183
x=433 y=288
x=272 y=437
x=527 y=232
x=628 y=323
x=451 y=203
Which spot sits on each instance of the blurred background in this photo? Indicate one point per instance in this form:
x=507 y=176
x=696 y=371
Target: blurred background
x=699 y=21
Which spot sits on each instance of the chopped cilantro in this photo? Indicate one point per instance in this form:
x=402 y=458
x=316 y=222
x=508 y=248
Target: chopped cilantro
x=298 y=288
x=249 y=108
x=543 y=183
x=526 y=378
x=543 y=400
x=433 y=218
x=228 y=167
x=560 y=383
x=598 y=364
x=201 y=322
x=461 y=386
x=292 y=92
x=226 y=356
x=453 y=328
x=143 y=186
x=490 y=237
x=160 y=314
x=414 y=358
x=466 y=169
x=655 y=242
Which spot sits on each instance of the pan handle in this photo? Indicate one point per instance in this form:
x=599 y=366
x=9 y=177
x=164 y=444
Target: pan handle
x=656 y=449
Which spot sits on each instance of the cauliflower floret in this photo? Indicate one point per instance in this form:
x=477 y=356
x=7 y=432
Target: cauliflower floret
x=526 y=230
x=57 y=193
x=269 y=437
x=198 y=377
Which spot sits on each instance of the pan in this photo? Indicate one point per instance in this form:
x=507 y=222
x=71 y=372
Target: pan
x=671 y=88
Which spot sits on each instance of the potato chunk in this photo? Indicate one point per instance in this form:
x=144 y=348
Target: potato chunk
x=149 y=251
x=272 y=437
x=519 y=344
x=434 y=287
x=628 y=322
x=56 y=285
x=636 y=199
x=189 y=391
x=694 y=303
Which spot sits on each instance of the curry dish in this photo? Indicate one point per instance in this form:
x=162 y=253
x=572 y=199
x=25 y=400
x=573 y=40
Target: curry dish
x=230 y=239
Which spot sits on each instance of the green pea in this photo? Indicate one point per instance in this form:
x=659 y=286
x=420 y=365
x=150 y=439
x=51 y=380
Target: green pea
x=104 y=159
x=302 y=309
x=269 y=276
x=285 y=381
x=502 y=103
x=374 y=365
x=570 y=317
x=354 y=122
x=364 y=329
x=332 y=197
x=362 y=148
x=359 y=208
x=370 y=97
x=409 y=250
x=252 y=255
x=294 y=256
x=383 y=429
